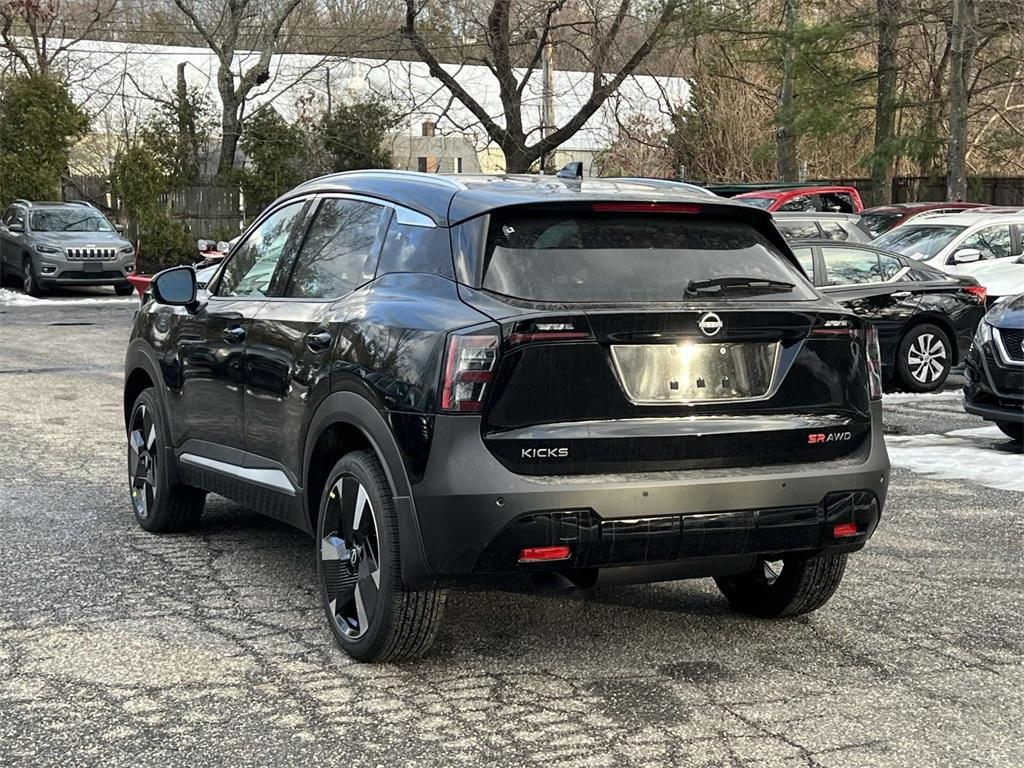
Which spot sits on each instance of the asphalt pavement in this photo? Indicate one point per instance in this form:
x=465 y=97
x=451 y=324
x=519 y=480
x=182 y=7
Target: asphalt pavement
x=121 y=648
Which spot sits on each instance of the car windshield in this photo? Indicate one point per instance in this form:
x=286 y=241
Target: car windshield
x=757 y=202
x=919 y=242
x=628 y=257
x=69 y=220
x=877 y=223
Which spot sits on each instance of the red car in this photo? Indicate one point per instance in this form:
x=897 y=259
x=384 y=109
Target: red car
x=831 y=199
x=882 y=218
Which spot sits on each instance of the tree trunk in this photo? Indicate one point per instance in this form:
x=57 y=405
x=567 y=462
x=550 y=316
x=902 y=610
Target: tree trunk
x=231 y=125
x=960 y=68
x=883 y=156
x=785 y=131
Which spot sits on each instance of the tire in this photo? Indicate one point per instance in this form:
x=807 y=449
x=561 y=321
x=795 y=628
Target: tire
x=372 y=616
x=29 y=284
x=801 y=585
x=160 y=506
x=124 y=290
x=924 y=358
x=1013 y=430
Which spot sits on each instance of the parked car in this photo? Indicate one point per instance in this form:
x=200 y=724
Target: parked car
x=961 y=243
x=925 y=318
x=844 y=227
x=1003 y=278
x=995 y=369
x=465 y=377
x=47 y=245
x=882 y=218
x=814 y=198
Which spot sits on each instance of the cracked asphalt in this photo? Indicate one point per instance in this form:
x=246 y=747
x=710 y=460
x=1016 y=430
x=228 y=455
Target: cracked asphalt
x=120 y=648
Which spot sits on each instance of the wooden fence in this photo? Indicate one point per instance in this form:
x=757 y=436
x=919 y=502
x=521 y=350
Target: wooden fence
x=208 y=210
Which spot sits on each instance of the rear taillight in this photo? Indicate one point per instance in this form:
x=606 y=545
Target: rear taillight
x=874 y=356
x=980 y=292
x=468 y=370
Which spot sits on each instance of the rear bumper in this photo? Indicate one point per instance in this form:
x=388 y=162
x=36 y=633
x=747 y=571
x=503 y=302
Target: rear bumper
x=472 y=512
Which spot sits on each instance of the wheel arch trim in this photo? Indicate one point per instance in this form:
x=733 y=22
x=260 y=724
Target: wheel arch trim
x=349 y=408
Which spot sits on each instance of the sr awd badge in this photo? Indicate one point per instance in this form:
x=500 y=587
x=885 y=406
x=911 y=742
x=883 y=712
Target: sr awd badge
x=710 y=324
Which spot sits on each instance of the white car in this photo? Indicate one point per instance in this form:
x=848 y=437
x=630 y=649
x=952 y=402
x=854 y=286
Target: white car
x=986 y=246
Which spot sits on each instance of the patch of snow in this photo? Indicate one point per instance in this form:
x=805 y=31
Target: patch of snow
x=913 y=397
x=954 y=456
x=10 y=298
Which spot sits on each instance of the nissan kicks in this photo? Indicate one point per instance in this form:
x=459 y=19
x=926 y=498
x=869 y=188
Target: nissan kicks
x=466 y=379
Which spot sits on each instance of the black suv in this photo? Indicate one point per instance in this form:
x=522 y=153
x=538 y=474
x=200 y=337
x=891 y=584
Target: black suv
x=466 y=378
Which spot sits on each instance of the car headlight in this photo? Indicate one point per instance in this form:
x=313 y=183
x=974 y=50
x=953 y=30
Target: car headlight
x=49 y=250
x=128 y=250
x=983 y=335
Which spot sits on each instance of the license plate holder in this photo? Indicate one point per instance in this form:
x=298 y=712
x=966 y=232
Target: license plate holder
x=92 y=266
x=696 y=372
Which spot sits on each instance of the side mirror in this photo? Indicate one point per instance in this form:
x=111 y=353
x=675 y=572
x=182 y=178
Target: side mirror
x=119 y=228
x=175 y=287
x=966 y=256
x=16 y=227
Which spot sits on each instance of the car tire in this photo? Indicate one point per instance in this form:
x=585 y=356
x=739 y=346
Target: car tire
x=371 y=614
x=29 y=283
x=1013 y=430
x=124 y=290
x=924 y=358
x=160 y=505
x=800 y=585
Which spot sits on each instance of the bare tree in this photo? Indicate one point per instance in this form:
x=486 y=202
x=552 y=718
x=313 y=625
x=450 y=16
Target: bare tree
x=223 y=29
x=785 y=130
x=599 y=36
x=961 y=62
x=36 y=33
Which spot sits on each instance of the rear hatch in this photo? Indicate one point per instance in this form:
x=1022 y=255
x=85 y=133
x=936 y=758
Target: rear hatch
x=645 y=338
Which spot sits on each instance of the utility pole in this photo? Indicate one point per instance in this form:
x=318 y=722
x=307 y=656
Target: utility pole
x=547 y=115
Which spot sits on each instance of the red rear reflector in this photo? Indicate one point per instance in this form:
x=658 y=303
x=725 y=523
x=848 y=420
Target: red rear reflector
x=646 y=207
x=842 y=530
x=543 y=554
x=977 y=290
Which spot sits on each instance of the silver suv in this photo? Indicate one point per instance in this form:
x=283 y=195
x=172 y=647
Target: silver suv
x=54 y=244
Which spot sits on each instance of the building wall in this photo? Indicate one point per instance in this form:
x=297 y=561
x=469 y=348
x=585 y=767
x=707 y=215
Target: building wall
x=435 y=154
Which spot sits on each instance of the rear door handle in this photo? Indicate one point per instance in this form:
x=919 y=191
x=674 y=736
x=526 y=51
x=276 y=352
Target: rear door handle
x=234 y=335
x=318 y=341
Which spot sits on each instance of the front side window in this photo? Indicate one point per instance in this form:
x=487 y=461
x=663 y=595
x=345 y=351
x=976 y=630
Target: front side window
x=619 y=257
x=851 y=266
x=919 y=242
x=993 y=242
x=252 y=265
x=69 y=220
x=340 y=252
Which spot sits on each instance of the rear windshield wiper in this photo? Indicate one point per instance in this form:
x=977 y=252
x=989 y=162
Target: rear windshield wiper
x=721 y=284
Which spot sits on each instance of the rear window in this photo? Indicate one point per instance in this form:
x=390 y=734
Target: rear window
x=877 y=223
x=626 y=257
x=757 y=202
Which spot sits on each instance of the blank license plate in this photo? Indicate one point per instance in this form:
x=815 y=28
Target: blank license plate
x=653 y=374
x=93 y=266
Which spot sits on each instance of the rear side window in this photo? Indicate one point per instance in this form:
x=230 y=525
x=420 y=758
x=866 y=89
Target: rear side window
x=340 y=251
x=580 y=257
x=832 y=230
x=798 y=230
x=806 y=258
x=850 y=266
